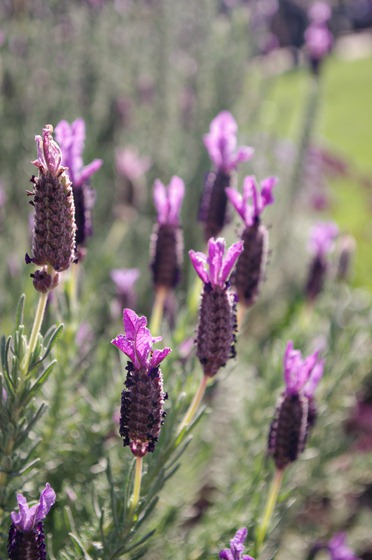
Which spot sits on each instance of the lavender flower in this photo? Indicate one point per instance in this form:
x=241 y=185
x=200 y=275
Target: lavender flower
x=296 y=412
x=221 y=145
x=236 y=547
x=71 y=137
x=318 y=37
x=142 y=401
x=124 y=280
x=216 y=333
x=167 y=240
x=53 y=242
x=131 y=168
x=338 y=549
x=26 y=535
x=250 y=267
x=321 y=242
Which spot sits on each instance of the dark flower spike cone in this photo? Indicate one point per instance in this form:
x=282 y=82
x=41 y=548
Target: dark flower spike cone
x=216 y=333
x=26 y=536
x=251 y=264
x=296 y=411
x=141 y=413
x=321 y=243
x=53 y=239
x=221 y=144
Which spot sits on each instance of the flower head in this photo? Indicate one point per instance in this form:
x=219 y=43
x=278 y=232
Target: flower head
x=338 y=548
x=168 y=201
x=71 y=138
x=251 y=204
x=215 y=268
x=137 y=342
x=49 y=155
x=318 y=39
x=236 y=547
x=221 y=143
x=28 y=518
x=301 y=375
x=130 y=164
x=319 y=12
x=322 y=237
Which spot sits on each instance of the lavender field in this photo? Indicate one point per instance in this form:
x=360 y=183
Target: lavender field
x=185 y=312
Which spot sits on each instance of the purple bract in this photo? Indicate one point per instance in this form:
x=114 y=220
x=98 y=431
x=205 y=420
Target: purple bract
x=48 y=153
x=71 y=137
x=27 y=518
x=236 y=547
x=338 y=549
x=322 y=237
x=301 y=374
x=252 y=202
x=137 y=342
x=168 y=201
x=215 y=268
x=221 y=143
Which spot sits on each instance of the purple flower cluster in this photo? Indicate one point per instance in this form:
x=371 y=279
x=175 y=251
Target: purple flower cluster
x=321 y=243
x=296 y=412
x=26 y=535
x=318 y=37
x=236 y=550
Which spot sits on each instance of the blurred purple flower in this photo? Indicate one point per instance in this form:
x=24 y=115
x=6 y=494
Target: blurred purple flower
x=319 y=12
x=168 y=201
x=215 y=268
x=71 y=138
x=318 y=40
x=236 y=547
x=251 y=204
x=301 y=375
x=322 y=237
x=338 y=550
x=130 y=164
x=221 y=143
x=124 y=280
x=27 y=518
x=137 y=342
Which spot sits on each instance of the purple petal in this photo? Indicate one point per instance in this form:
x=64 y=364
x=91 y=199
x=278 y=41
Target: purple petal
x=230 y=259
x=88 y=171
x=199 y=262
x=339 y=550
x=126 y=346
x=322 y=237
x=236 y=200
x=160 y=200
x=216 y=249
x=158 y=356
x=267 y=186
x=47 y=499
x=315 y=377
x=176 y=192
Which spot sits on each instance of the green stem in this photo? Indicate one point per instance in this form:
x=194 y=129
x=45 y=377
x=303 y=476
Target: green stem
x=158 y=310
x=136 y=487
x=38 y=320
x=269 y=509
x=194 y=405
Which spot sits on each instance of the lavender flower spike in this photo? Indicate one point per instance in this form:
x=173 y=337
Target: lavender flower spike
x=296 y=411
x=26 y=535
x=221 y=145
x=166 y=250
x=142 y=401
x=321 y=242
x=216 y=335
x=250 y=267
x=236 y=547
x=53 y=239
x=338 y=549
x=72 y=139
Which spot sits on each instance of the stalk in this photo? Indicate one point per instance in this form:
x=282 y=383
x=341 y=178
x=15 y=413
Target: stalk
x=194 y=405
x=269 y=509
